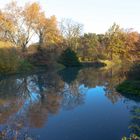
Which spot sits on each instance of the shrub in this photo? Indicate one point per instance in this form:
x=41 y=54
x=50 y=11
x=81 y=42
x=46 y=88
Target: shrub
x=69 y=58
x=25 y=66
x=9 y=60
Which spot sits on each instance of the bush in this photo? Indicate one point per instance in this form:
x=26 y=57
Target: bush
x=25 y=66
x=9 y=60
x=69 y=58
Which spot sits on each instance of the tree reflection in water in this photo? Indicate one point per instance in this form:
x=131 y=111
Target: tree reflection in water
x=28 y=100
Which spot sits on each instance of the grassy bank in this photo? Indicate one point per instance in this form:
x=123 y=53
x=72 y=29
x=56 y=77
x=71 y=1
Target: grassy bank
x=131 y=86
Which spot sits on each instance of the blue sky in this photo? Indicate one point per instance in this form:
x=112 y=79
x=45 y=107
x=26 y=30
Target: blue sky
x=96 y=15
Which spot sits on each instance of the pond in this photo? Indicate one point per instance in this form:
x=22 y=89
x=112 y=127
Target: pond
x=72 y=104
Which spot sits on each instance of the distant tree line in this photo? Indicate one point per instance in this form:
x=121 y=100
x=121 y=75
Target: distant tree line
x=20 y=25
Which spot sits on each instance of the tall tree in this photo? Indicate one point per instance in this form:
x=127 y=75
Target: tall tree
x=90 y=45
x=22 y=19
x=71 y=31
x=116 y=41
x=32 y=14
x=132 y=45
x=52 y=34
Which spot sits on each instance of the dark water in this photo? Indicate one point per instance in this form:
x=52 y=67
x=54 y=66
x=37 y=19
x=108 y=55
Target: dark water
x=71 y=104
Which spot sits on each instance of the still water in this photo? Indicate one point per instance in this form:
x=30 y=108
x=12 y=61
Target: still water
x=71 y=104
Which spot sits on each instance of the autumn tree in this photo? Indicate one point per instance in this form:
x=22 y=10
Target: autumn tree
x=71 y=31
x=132 y=45
x=52 y=34
x=6 y=26
x=115 y=42
x=89 y=46
x=45 y=28
x=34 y=13
x=17 y=24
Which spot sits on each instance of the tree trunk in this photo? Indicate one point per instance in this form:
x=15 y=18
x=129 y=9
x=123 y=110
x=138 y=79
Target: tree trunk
x=40 y=41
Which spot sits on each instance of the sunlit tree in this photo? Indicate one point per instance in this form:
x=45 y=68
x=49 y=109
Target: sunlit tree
x=71 y=31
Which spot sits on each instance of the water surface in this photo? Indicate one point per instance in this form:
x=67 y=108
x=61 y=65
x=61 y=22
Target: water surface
x=67 y=105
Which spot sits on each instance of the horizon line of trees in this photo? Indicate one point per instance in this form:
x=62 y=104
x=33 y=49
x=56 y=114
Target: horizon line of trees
x=19 y=25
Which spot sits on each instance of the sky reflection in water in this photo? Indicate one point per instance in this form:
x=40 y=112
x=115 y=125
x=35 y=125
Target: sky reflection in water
x=68 y=105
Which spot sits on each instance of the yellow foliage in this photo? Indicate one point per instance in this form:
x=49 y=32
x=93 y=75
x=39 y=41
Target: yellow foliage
x=110 y=64
x=5 y=44
x=32 y=11
x=52 y=33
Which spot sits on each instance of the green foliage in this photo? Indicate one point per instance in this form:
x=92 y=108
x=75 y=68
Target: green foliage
x=69 y=58
x=25 y=66
x=129 y=87
x=9 y=60
x=90 y=48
